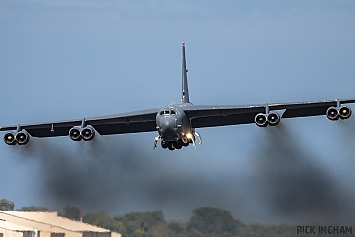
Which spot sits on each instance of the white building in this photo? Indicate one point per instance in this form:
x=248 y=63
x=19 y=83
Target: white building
x=47 y=224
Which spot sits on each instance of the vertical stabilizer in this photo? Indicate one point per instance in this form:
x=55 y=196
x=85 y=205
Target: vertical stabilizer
x=185 y=89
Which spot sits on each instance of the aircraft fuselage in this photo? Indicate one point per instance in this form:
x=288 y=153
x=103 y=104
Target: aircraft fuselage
x=174 y=127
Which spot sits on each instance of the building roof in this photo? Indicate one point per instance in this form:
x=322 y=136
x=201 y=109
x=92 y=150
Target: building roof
x=52 y=218
x=14 y=227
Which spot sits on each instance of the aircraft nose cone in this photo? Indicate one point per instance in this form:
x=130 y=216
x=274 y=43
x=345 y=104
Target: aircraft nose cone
x=167 y=127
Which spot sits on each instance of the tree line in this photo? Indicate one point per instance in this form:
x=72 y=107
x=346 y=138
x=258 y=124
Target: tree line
x=205 y=221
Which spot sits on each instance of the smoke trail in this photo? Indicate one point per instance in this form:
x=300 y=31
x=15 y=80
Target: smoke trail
x=113 y=175
x=297 y=187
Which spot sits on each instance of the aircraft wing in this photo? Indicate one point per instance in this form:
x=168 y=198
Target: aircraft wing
x=211 y=116
x=132 y=122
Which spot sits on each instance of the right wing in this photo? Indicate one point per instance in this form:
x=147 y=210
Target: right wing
x=132 y=122
x=211 y=116
x=222 y=115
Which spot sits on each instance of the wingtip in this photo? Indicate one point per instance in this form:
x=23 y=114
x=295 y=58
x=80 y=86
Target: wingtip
x=183 y=43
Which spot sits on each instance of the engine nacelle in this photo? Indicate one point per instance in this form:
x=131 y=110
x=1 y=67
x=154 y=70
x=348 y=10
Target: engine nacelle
x=273 y=118
x=344 y=112
x=332 y=113
x=88 y=133
x=22 y=137
x=74 y=134
x=10 y=138
x=261 y=120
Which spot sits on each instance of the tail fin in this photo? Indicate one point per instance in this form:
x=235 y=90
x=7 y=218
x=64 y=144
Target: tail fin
x=185 y=89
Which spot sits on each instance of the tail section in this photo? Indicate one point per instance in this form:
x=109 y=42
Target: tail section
x=185 y=90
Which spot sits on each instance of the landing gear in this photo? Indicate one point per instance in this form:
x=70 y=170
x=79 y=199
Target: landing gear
x=174 y=145
x=184 y=141
x=178 y=145
x=171 y=146
x=164 y=144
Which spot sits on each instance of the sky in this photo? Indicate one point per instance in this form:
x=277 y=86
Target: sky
x=66 y=59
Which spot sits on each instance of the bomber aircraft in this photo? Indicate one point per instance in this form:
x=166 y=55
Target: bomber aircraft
x=176 y=123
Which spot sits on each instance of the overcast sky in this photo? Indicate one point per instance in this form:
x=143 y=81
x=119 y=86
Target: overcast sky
x=66 y=59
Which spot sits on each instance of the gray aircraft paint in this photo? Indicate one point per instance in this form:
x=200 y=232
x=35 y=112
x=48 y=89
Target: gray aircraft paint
x=185 y=90
x=176 y=128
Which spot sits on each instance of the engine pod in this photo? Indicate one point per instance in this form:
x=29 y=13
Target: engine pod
x=88 y=133
x=261 y=120
x=332 y=113
x=74 y=134
x=273 y=118
x=22 y=138
x=344 y=112
x=10 y=138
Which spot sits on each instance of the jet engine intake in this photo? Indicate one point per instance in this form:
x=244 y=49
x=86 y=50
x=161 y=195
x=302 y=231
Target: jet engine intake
x=344 y=112
x=88 y=133
x=261 y=120
x=10 y=138
x=273 y=118
x=22 y=138
x=74 y=134
x=332 y=113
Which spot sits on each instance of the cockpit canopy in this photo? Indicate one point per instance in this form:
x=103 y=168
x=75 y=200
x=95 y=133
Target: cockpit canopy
x=167 y=112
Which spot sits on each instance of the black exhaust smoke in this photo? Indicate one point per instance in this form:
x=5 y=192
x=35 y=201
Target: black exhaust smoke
x=296 y=186
x=117 y=176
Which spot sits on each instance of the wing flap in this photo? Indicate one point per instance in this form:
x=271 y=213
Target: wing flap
x=212 y=116
x=140 y=121
x=233 y=119
x=54 y=129
x=119 y=128
x=305 y=112
x=46 y=132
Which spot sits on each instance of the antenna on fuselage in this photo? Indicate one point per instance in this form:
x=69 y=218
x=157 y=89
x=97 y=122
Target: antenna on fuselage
x=185 y=89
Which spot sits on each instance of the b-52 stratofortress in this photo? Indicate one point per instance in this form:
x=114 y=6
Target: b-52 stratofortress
x=176 y=124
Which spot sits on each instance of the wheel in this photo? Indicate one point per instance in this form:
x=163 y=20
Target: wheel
x=171 y=146
x=184 y=143
x=164 y=144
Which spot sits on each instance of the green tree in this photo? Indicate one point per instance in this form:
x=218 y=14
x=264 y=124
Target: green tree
x=213 y=221
x=160 y=230
x=71 y=212
x=34 y=208
x=139 y=223
x=105 y=221
x=268 y=231
x=6 y=205
x=176 y=227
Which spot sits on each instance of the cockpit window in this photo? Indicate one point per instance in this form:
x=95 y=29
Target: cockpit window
x=168 y=112
x=164 y=112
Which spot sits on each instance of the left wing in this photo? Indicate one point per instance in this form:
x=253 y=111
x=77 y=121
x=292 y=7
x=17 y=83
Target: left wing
x=211 y=116
x=138 y=121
